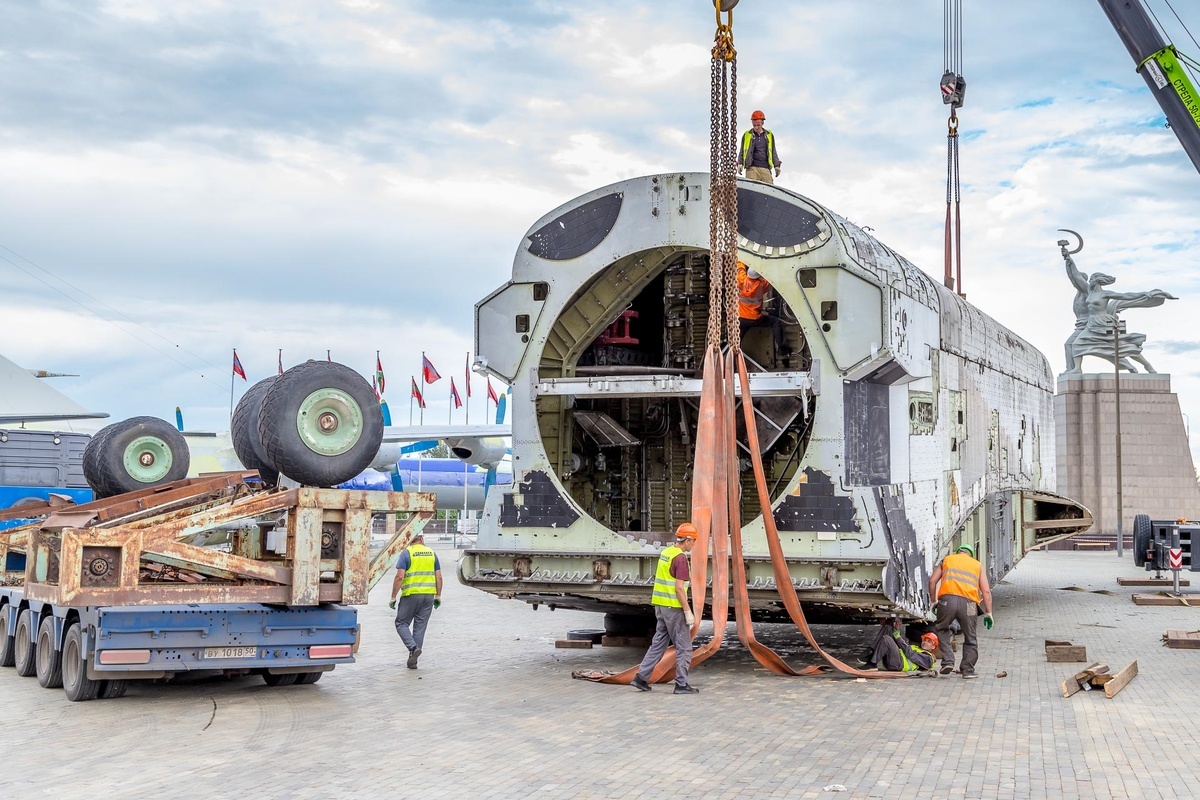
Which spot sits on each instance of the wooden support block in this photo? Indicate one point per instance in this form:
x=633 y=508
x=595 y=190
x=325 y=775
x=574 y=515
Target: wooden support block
x=625 y=641
x=1150 y=582
x=1120 y=680
x=573 y=644
x=1182 y=640
x=1164 y=599
x=1066 y=653
x=1077 y=681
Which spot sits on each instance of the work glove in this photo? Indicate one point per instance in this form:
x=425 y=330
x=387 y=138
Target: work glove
x=988 y=621
x=437 y=603
x=689 y=617
x=392 y=604
x=741 y=169
x=777 y=172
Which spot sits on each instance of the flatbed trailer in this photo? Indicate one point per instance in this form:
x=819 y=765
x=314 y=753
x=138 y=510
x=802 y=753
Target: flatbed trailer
x=119 y=589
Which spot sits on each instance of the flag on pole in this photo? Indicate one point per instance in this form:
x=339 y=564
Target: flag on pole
x=416 y=393
x=281 y=361
x=237 y=365
x=492 y=392
x=429 y=371
x=375 y=389
x=379 y=373
x=467 y=374
x=454 y=394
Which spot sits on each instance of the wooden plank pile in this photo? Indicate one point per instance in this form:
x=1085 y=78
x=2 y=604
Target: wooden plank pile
x=1097 y=676
x=1064 y=652
x=1182 y=640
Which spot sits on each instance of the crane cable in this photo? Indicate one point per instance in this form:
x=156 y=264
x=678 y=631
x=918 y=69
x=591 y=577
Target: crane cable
x=954 y=87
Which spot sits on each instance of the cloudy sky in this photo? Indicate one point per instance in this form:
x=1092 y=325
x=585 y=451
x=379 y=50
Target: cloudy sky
x=180 y=179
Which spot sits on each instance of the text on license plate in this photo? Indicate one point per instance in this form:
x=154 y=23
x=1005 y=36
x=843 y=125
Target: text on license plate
x=231 y=652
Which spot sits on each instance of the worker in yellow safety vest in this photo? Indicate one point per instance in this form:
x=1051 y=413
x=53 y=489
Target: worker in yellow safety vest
x=959 y=586
x=758 y=155
x=673 y=612
x=419 y=582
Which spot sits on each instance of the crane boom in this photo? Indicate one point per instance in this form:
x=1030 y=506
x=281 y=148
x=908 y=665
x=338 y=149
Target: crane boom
x=1157 y=62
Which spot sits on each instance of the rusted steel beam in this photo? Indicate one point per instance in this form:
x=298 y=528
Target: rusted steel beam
x=304 y=551
x=36 y=510
x=376 y=502
x=203 y=569
x=243 y=567
x=163 y=593
x=356 y=556
x=179 y=526
x=387 y=556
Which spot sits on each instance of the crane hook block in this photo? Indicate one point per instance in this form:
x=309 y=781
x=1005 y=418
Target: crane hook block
x=954 y=89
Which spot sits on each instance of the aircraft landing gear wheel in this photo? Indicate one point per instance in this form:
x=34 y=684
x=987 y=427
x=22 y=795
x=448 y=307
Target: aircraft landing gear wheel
x=7 y=656
x=243 y=430
x=48 y=660
x=23 y=649
x=75 y=682
x=320 y=423
x=142 y=452
x=280 y=680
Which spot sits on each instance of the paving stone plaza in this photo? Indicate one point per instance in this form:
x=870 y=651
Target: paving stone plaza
x=493 y=713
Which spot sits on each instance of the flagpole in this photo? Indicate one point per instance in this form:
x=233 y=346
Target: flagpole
x=410 y=402
x=231 y=377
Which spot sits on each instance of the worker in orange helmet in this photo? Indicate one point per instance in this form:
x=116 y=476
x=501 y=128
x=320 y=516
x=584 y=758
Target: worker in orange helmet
x=758 y=154
x=673 y=612
x=752 y=288
x=893 y=652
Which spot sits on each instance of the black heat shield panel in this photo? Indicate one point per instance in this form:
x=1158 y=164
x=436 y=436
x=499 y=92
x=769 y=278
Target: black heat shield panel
x=770 y=221
x=868 y=434
x=578 y=231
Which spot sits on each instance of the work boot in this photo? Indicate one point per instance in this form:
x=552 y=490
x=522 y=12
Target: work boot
x=686 y=689
x=946 y=669
x=969 y=675
x=413 y=655
x=639 y=684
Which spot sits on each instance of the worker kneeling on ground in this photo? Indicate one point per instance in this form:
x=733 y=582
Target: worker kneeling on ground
x=752 y=288
x=419 y=582
x=892 y=652
x=963 y=587
x=673 y=612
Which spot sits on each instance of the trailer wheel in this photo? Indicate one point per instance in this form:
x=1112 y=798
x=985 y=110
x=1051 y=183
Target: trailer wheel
x=91 y=461
x=110 y=690
x=48 y=660
x=76 y=684
x=23 y=649
x=320 y=423
x=7 y=656
x=243 y=430
x=1143 y=533
x=280 y=680
x=307 y=678
x=142 y=452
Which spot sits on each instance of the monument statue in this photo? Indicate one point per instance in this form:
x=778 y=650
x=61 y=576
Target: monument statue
x=1096 y=309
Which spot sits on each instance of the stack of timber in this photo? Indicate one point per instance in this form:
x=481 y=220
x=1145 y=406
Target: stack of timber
x=1097 y=676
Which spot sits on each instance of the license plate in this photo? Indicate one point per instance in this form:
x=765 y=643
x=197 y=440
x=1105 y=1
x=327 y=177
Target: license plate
x=231 y=652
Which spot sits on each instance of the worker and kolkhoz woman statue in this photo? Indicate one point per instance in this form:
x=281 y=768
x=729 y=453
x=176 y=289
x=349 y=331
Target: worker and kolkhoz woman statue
x=1096 y=309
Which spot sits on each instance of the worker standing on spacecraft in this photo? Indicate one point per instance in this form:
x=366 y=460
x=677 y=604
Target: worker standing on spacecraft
x=673 y=611
x=964 y=586
x=752 y=288
x=758 y=155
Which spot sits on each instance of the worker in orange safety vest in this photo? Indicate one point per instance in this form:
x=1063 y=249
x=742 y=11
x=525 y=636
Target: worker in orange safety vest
x=960 y=586
x=752 y=288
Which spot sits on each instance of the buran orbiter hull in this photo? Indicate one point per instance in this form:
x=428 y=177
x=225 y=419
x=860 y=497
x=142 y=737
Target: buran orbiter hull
x=906 y=422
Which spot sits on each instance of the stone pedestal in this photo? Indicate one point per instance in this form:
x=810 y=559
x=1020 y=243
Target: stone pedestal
x=1156 y=462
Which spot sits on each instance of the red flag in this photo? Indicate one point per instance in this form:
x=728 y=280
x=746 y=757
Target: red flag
x=281 y=362
x=379 y=373
x=428 y=370
x=237 y=365
x=492 y=393
x=375 y=388
x=467 y=373
x=417 y=394
x=454 y=394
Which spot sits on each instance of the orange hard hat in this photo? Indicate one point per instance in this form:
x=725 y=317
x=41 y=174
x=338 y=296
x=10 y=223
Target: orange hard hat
x=929 y=641
x=686 y=531
x=758 y=115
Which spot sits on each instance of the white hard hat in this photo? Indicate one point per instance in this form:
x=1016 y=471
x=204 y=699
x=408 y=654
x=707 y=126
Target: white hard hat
x=753 y=274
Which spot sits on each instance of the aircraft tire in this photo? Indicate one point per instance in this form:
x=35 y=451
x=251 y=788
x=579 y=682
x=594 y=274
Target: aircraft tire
x=139 y=453
x=320 y=423
x=243 y=430
x=1143 y=534
x=91 y=461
